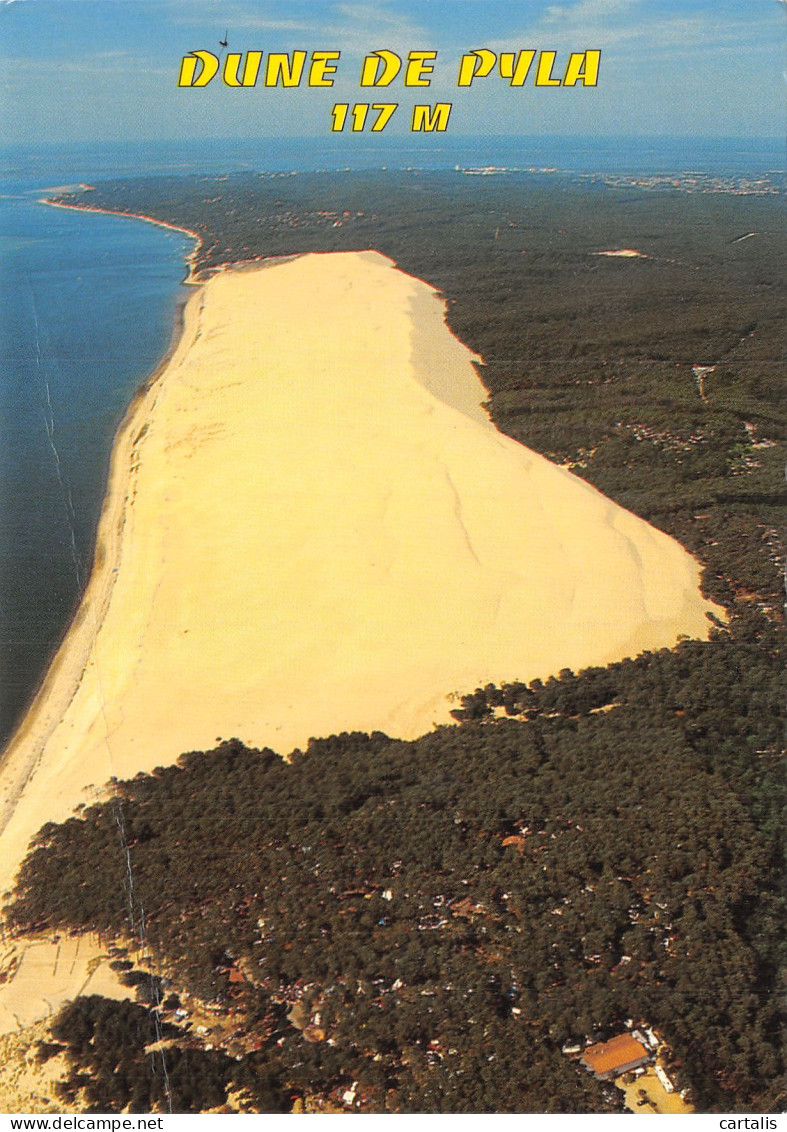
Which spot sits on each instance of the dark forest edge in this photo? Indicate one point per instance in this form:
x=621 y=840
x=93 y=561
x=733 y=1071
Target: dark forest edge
x=641 y=805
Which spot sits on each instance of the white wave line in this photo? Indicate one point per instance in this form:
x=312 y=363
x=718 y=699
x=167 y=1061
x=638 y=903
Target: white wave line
x=49 y=426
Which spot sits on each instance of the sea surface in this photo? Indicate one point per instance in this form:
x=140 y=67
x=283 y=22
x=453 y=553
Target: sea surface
x=87 y=308
x=88 y=304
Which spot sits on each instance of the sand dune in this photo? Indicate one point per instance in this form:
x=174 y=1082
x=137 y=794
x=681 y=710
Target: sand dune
x=312 y=527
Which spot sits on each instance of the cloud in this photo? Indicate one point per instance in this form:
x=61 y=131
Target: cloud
x=263 y=24
x=625 y=27
x=379 y=16
x=354 y=27
x=109 y=64
x=363 y=27
x=235 y=18
x=589 y=11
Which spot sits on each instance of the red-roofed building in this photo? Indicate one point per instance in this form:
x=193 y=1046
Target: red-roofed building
x=620 y=1054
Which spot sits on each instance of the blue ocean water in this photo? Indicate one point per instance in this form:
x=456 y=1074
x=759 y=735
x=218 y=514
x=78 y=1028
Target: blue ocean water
x=87 y=309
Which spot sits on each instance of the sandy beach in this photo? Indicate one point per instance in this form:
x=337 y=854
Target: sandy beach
x=311 y=526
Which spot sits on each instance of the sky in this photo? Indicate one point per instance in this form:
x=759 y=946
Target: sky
x=106 y=70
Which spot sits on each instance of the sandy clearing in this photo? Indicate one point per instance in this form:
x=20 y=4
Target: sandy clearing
x=656 y=1099
x=624 y=253
x=25 y=1084
x=302 y=537
x=41 y=973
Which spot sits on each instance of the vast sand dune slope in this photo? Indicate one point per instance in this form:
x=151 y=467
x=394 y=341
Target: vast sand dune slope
x=312 y=527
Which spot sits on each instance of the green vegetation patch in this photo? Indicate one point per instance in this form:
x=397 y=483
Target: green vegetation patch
x=451 y=911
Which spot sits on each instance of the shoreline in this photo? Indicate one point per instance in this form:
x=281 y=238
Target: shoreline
x=235 y=527
x=178 y=324
x=192 y=278
x=100 y=574
x=178 y=330
x=82 y=629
